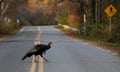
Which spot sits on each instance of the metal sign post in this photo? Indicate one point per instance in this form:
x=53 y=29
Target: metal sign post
x=110 y=27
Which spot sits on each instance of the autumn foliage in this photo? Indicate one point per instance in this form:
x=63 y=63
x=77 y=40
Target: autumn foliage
x=68 y=12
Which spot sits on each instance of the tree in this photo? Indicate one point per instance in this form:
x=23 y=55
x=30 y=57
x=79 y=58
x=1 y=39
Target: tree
x=4 y=6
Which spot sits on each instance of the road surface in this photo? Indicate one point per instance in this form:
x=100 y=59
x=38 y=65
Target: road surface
x=66 y=54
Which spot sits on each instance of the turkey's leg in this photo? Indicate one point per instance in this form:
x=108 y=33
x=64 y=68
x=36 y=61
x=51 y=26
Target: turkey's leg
x=43 y=57
x=35 y=59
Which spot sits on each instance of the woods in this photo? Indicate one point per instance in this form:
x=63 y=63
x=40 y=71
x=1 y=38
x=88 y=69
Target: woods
x=87 y=16
x=8 y=16
x=97 y=23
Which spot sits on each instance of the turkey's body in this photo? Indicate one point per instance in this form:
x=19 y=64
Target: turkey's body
x=38 y=49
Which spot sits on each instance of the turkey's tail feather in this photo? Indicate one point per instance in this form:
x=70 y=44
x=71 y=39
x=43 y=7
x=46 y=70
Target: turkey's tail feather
x=23 y=58
x=28 y=54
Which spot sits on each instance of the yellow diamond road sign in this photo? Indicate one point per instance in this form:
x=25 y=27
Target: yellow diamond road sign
x=110 y=10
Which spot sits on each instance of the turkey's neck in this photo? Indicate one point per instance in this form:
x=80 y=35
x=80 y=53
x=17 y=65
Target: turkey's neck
x=49 y=46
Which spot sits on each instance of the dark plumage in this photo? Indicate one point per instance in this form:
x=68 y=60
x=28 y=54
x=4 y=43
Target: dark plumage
x=38 y=49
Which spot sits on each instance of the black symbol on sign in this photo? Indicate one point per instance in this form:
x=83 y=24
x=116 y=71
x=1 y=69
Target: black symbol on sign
x=111 y=10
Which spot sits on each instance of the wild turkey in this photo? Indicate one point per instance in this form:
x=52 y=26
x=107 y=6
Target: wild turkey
x=38 y=49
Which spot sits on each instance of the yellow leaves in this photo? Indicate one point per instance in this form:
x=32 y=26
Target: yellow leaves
x=48 y=6
x=35 y=4
x=73 y=18
x=32 y=6
x=32 y=3
x=45 y=1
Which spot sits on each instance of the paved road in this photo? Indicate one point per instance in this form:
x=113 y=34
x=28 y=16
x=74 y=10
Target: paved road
x=66 y=54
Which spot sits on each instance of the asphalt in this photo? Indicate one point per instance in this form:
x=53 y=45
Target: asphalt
x=66 y=54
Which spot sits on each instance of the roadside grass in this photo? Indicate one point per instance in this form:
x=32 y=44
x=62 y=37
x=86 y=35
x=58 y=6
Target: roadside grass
x=113 y=47
x=11 y=32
